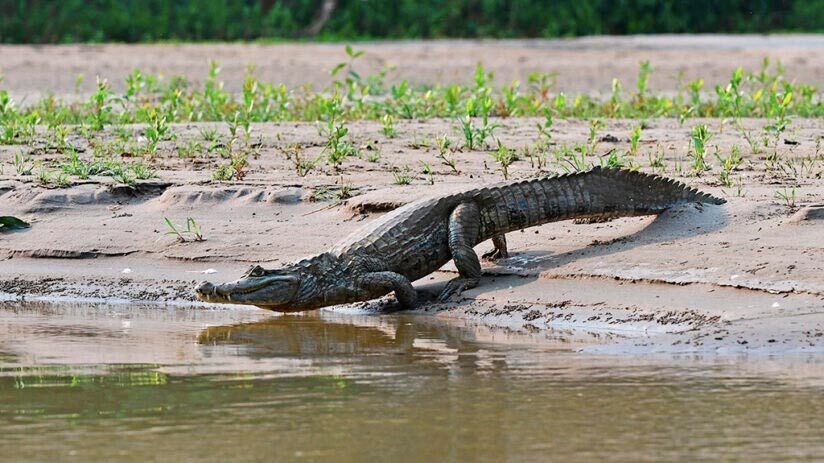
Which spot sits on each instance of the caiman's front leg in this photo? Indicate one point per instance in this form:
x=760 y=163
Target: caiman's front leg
x=464 y=223
x=375 y=282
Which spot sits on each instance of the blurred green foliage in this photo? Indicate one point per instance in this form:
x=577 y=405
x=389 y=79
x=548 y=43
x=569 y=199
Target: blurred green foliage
x=54 y=21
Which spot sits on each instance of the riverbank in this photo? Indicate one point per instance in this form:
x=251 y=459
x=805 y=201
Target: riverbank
x=743 y=277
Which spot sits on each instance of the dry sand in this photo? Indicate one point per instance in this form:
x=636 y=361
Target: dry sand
x=746 y=276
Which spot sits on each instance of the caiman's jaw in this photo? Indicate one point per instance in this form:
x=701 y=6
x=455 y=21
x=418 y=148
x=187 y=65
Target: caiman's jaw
x=266 y=289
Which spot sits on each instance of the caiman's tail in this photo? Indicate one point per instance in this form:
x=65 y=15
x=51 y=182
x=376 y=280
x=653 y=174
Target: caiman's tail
x=652 y=191
x=597 y=193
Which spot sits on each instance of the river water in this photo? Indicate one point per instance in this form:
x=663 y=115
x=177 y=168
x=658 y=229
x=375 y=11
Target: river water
x=90 y=382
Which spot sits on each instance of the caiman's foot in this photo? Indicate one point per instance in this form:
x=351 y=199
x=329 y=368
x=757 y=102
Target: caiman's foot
x=499 y=252
x=495 y=254
x=456 y=286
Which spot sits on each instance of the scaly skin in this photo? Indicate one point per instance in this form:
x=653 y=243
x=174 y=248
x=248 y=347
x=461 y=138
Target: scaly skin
x=419 y=238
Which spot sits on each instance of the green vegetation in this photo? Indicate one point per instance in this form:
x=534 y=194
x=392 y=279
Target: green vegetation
x=402 y=177
x=504 y=157
x=190 y=233
x=786 y=196
x=121 y=135
x=233 y=170
x=131 y=21
x=8 y=223
x=764 y=93
x=699 y=137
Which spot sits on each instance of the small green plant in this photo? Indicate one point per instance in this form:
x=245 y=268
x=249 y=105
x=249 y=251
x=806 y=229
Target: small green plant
x=208 y=134
x=157 y=130
x=345 y=190
x=445 y=152
x=728 y=164
x=319 y=194
x=234 y=170
x=787 y=196
x=9 y=133
x=780 y=123
x=8 y=223
x=337 y=149
x=124 y=176
x=304 y=166
x=427 y=170
x=53 y=178
x=699 y=137
x=190 y=149
x=569 y=161
x=100 y=107
x=388 y=126
x=123 y=133
x=656 y=161
x=79 y=168
x=752 y=141
x=59 y=134
x=595 y=126
x=373 y=155
x=545 y=126
x=504 y=157
x=190 y=233
x=142 y=171
x=402 y=177
x=634 y=140
x=537 y=157
x=615 y=160
x=23 y=164
x=475 y=136
x=642 y=85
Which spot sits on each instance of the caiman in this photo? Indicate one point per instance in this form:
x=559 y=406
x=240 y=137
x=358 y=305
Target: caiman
x=413 y=241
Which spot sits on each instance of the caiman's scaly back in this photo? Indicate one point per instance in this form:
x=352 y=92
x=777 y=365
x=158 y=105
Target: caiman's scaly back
x=597 y=193
x=417 y=239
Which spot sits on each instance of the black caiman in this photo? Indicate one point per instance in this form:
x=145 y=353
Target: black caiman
x=413 y=241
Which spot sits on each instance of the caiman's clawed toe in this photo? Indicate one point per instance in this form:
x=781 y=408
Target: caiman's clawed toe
x=499 y=251
x=456 y=286
x=495 y=254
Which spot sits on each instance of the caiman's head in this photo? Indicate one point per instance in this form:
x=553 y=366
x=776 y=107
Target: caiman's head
x=267 y=289
x=305 y=285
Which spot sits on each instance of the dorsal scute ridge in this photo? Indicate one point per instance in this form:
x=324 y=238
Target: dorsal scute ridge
x=639 y=179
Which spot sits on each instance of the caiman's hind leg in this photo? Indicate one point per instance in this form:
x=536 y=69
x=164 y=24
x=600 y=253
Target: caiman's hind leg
x=464 y=223
x=499 y=251
x=374 y=282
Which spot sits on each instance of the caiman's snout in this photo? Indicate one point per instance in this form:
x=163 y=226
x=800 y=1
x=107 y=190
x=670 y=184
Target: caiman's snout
x=258 y=287
x=205 y=289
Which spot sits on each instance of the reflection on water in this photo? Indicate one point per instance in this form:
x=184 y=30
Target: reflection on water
x=101 y=383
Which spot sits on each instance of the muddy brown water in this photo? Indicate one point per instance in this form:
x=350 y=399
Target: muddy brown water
x=92 y=382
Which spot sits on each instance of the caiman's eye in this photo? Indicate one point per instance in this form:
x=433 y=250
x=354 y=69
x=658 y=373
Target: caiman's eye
x=256 y=271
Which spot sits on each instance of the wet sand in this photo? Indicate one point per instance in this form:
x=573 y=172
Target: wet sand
x=744 y=277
